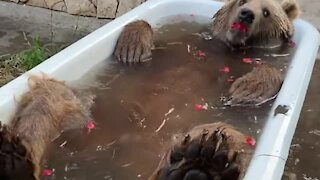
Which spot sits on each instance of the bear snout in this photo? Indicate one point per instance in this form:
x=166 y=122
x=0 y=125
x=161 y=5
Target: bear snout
x=246 y=16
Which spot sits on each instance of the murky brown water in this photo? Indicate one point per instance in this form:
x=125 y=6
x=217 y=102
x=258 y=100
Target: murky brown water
x=133 y=103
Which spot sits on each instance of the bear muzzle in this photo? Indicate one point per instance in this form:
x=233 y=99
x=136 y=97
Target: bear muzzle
x=246 y=16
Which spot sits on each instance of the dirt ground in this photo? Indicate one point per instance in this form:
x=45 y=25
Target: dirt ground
x=20 y=22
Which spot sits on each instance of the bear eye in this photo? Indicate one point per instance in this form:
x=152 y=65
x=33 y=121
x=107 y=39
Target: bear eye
x=266 y=12
x=242 y=2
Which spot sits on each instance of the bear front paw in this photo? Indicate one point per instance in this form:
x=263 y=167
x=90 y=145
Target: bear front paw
x=209 y=151
x=256 y=87
x=135 y=43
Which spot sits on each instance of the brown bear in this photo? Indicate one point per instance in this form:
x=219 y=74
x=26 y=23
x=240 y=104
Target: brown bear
x=238 y=22
x=242 y=21
x=44 y=112
x=206 y=152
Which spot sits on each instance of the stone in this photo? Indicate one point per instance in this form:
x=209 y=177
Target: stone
x=18 y=1
x=37 y=3
x=58 y=5
x=81 y=7
x=127 y=5
x=97 y=8
x=107 y=9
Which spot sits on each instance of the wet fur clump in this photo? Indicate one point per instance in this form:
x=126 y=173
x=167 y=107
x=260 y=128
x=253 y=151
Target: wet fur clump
x=206 y=152
x=44 y=112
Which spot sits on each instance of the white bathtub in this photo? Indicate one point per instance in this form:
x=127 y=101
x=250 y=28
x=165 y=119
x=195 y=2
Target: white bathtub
x=273 y=146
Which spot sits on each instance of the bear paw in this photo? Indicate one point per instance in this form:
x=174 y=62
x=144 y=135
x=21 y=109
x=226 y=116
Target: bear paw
x=135 y=43
x=210 y=151
x=256 y=87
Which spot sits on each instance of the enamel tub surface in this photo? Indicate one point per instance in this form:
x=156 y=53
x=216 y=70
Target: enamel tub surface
x=271 y=153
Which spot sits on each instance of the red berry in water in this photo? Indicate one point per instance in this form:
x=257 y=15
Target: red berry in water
x=247 y=60
x=201 y=54
x=90 y=125
x=198 y=107
x=225 y=69
x=47 y=172
x=251 y=141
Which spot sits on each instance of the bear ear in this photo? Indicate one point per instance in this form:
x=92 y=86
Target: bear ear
x=291 y=8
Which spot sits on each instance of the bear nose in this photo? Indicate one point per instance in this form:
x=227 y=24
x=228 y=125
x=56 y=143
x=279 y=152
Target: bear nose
x=246 y=15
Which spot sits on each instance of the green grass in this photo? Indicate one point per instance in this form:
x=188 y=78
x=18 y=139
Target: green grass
x=36 y=55
x=19 y=63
